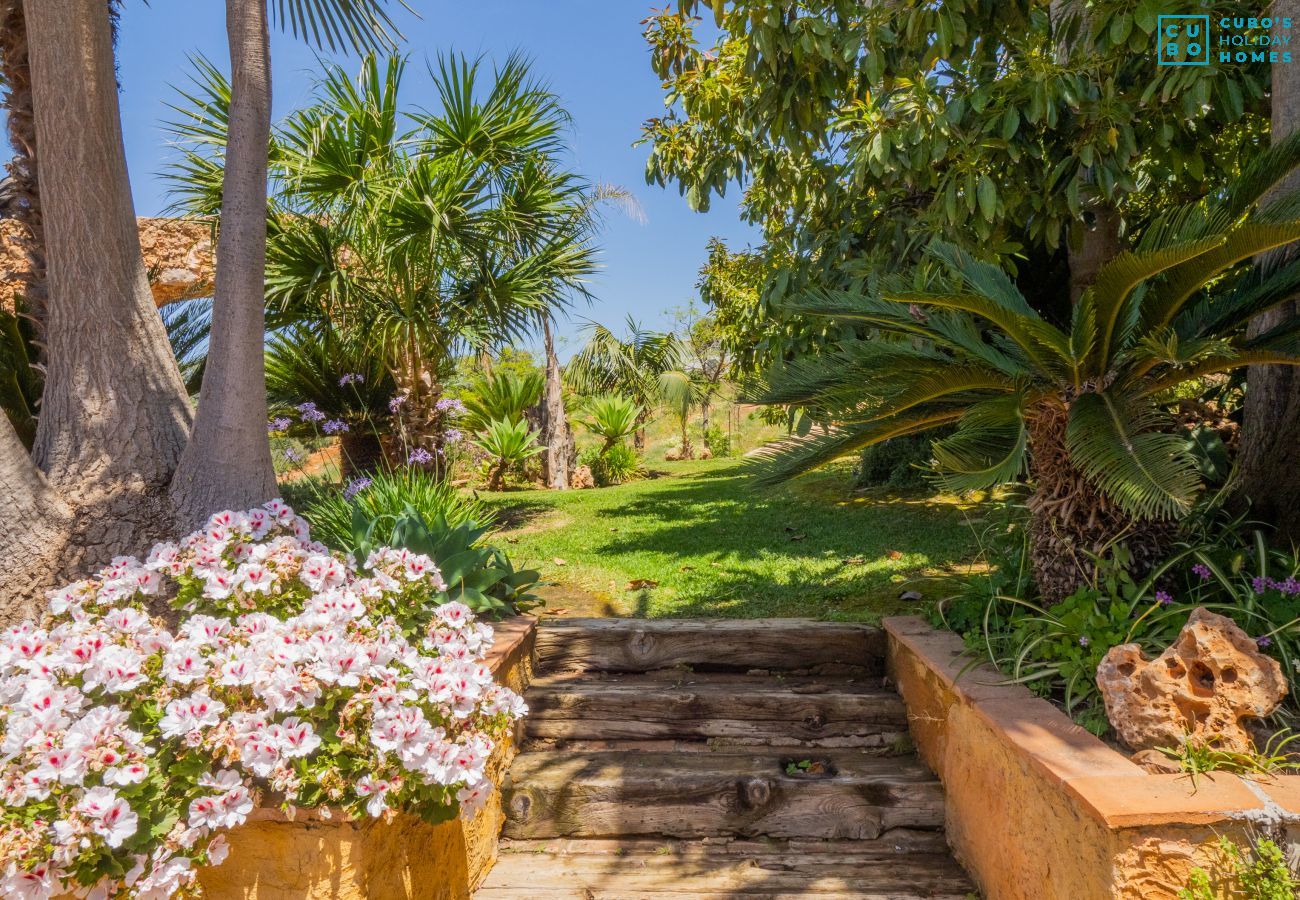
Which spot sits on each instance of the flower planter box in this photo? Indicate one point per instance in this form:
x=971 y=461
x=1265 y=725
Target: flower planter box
x=1039 y=808
x=313 y=858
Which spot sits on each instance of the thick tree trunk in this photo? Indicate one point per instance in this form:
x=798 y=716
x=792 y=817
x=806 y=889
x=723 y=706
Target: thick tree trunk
x=1269 y=477
x=31 y=553
x=114 y=415
x=560 y=454
x=1070 y=521
x=21 y=199
x=360 y=452
x=688 y=452
x=227 y=464
x=1099 y=244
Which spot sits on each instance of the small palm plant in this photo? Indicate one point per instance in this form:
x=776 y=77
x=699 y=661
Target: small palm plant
x=509 y=443
x=612 y=417
x=503 y=396
x=1079 y=409
x=681 y=394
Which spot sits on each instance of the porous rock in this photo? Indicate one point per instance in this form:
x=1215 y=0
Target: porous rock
x=1207 y=685
x=582 y=478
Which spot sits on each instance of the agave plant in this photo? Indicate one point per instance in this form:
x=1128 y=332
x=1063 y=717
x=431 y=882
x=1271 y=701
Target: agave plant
x=612 y=417
x=1079 y=408
x=508 y=442
x=503 y=396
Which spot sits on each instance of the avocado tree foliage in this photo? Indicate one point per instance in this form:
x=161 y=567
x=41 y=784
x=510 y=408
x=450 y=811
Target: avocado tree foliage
x=1032 y=133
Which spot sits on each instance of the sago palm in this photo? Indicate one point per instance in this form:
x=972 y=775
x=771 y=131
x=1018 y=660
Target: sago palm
x=508 y=443
x=611 y=417
x=1077 y=409
x=505 y=395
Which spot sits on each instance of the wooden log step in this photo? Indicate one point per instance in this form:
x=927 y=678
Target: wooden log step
x=627 y=793
x=892 y=842
x=737 y=709
x=661 y=872
x=640 y=645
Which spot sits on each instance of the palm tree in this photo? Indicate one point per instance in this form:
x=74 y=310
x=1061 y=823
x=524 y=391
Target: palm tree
x=1079 y=409
x=633 y=366
x=419 y=236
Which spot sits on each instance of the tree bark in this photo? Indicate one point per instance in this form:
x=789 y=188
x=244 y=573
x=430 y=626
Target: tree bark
x=227 y=464
x=114 y=415
x=1269 y=477
x=21 y=200
x=32 y=551
x=560 y=454
x=1098 y=245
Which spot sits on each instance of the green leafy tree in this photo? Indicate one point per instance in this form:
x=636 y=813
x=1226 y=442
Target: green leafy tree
x=1029 y=132
x=1078 y=407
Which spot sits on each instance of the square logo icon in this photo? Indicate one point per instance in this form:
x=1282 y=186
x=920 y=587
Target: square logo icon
x=1183 y=40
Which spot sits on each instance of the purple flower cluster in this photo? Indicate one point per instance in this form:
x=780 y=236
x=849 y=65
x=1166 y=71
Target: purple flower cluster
x=450 y=405
x=352 y=378
x=279 y=423
x=356 y=486
x=419 y=456
x=453 y=435
x=396 y=403
x=1202 y=571
x=310 y=413
x=1264 y=642
x=292 y=455
x=1164 y=598
x=335 y=426
x=1290 y=586
x=1083 y=641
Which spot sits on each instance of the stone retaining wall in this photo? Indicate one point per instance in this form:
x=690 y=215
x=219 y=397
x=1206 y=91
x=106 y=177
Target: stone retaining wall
x=1038 y=808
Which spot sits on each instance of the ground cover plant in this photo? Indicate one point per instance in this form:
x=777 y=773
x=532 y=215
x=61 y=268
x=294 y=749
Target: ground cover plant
x=696 y=539
x=129 y=744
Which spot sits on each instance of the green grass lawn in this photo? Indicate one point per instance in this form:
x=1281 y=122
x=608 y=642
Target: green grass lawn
x=700 y=540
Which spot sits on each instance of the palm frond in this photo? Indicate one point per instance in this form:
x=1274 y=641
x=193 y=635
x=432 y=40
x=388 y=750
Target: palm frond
x=358 y=25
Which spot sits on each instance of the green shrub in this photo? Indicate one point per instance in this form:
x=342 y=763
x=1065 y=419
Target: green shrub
x=481 y=577
x=616 y=465
x=900 y=462
x=1257 y=872
x=509 y=444
x=388 y=495
x=612 y=417
x=718 y=442
x=504 y=396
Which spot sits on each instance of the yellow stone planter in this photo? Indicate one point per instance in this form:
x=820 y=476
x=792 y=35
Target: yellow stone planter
x=1037 y=808
x=314 y=858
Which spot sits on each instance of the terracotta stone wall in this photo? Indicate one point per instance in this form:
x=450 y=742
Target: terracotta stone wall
x=177 y=254
x=1038 y=808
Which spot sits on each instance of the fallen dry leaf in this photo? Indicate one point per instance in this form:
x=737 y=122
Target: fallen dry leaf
x=640 y=584
x=797 y=537
x=558 y=612
x=894 y=554
x=560 y=562
x=686 y=569
x=911 y=595
x=855 y=561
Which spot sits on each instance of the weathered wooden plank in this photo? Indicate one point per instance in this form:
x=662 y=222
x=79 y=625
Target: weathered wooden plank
x=756 y=711
x=638 y=645
x=612 y=793
x=891 y=843
x=910 y=875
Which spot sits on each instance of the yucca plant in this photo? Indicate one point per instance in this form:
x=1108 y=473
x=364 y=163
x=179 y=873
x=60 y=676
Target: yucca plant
x=505 y=395
x=509 y=443
x=1078 y=409
x=612 y=417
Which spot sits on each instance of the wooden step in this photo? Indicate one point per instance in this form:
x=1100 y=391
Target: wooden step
x=669 y=870
x=625 y=793
x=640 y=645
x=732 y=709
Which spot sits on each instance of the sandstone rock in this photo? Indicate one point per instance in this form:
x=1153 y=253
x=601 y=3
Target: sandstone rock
x=1205 y=684
x=672 y=454
x=706 y=453
x=582 y=478
x=1156 y=762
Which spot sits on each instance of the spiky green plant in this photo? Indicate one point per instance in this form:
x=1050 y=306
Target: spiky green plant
x=1077 y=408
x=388 y=495
x=508 y=442
x=502 y=396
x=611 y=417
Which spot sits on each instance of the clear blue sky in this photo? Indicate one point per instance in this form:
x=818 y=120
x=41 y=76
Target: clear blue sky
x=590 y=51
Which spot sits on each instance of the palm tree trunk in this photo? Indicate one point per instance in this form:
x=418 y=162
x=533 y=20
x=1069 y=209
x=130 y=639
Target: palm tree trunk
x=419 y=419
x=688 y=452
x=227 y=464
x=114 y=415
x=560 y=454
x=32 y=553
x=21 y=199
x=1271 y=423
x=1070 y=519
x=360 y=452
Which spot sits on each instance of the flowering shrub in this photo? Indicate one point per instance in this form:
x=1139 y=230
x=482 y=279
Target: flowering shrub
x=125 y=748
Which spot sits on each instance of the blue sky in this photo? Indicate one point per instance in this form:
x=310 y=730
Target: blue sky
x=590 y=51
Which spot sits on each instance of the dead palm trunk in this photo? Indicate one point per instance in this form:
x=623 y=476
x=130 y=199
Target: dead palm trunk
x=21 y=200
x=1271 y=425
x=114 y=415
x=560 y=453
x=227 y=464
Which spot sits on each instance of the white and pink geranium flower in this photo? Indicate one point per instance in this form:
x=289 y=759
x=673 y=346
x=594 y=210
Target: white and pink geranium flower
x=126 y=746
